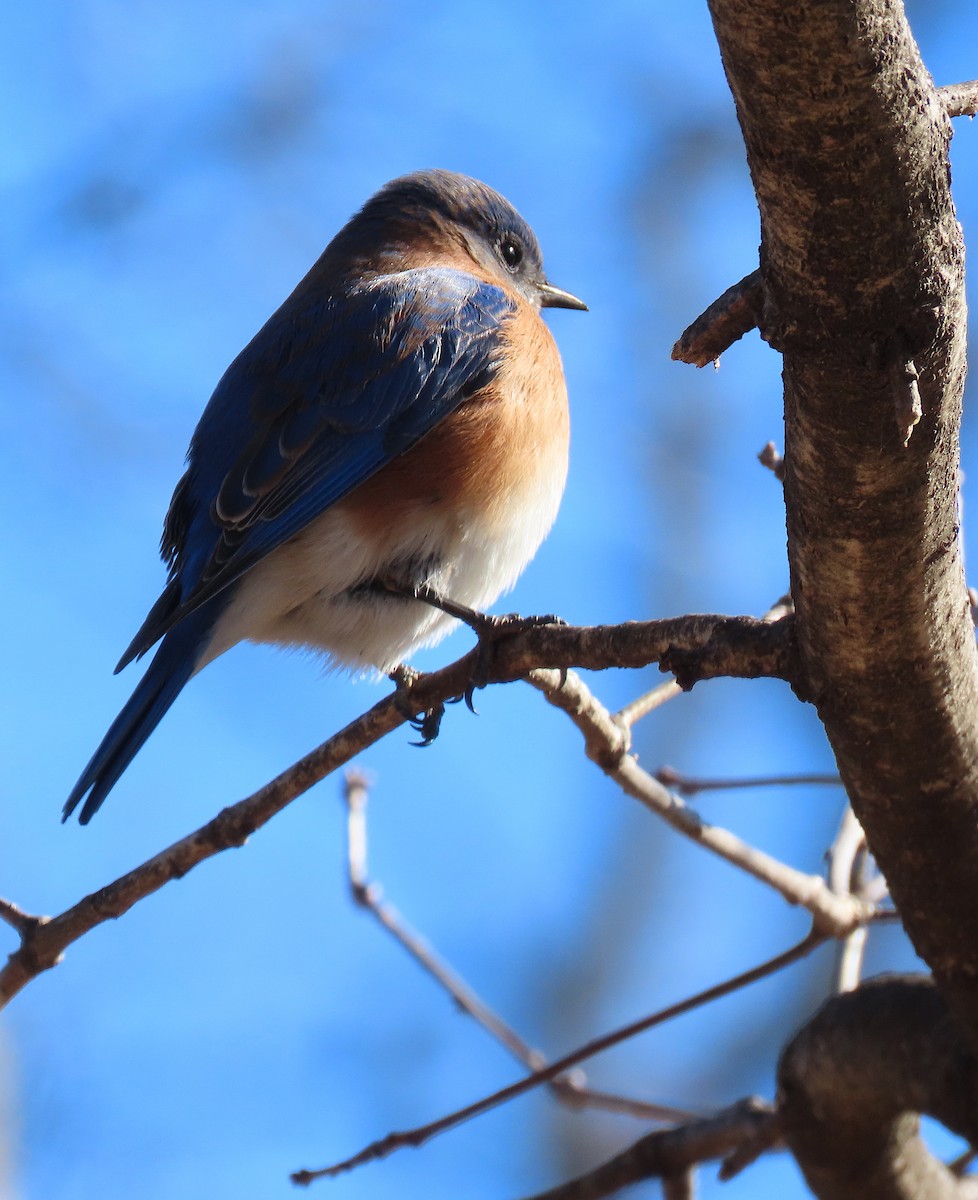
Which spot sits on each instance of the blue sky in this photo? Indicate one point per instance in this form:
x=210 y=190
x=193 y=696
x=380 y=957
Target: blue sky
x=170 y=171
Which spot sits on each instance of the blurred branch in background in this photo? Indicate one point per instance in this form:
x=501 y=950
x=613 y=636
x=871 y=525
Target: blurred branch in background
x=691 y=1140
x=571 y=1088
x=417 y=1137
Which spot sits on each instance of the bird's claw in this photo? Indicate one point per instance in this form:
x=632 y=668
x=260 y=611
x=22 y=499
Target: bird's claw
x=427 y=721
x=427 y=724
x=489 y=630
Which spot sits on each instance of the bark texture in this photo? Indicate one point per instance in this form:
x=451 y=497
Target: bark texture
x=855 y=1078
x=862 y=270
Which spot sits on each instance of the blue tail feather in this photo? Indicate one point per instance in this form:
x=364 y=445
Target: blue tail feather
x=172 y=665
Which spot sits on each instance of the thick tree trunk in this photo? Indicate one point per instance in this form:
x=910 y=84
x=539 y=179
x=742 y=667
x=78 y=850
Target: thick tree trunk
x=862 y=267
x=863 y=293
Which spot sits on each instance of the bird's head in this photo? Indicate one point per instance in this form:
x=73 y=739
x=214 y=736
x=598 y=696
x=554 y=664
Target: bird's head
x=432 y=216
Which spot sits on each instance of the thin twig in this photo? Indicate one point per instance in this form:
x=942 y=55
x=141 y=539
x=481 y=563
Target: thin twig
x=849 y=965
x=844 y=852
x=368 y=896
x=688 y=785
x=636 y=709
x=421 y=1134
x=572 y=1088
x=17 y=919
x=843 y=859
x=571 y=1091
x=607 y=743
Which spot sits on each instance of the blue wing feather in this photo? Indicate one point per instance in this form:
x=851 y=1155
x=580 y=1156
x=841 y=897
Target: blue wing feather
x=313 y=406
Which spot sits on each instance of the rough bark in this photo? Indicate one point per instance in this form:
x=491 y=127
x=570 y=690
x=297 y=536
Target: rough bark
x=862 y=271
x=862 y=277
x=853 y=1081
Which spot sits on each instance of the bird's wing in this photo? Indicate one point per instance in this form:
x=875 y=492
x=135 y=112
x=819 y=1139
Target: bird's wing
x=323 y=396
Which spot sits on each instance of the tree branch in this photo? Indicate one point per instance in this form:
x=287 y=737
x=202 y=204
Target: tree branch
x=607 y=743
x=960 y=99
x=741 y=642
x=852 y=1082
x=669 y=1153
x=572 y=1088
x=417 y=1137
x=755 y=650
x=728 y=318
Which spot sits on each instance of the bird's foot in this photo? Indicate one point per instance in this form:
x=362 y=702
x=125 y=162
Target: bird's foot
x=489 y=629
x=425 y=722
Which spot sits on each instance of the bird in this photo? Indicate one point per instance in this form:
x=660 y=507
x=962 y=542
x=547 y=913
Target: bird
x=400 y=424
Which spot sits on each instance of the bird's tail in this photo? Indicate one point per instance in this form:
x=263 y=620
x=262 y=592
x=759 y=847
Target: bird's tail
x=172 y=665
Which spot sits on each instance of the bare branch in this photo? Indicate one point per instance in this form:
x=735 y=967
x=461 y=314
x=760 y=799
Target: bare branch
x=960 y=99
x=688 y=785
x=853 y=1081
x=571 y=1088
x=709 y=646
x=17 y=919
x=758 y=650
x=606 y=743
x=43 y=940
x=369 y=897
x=843 y=857
x=728 y=318
x=422 y=1134
x=43 y=944
x=669 y=1154
x=643 y=705
x=849 y=967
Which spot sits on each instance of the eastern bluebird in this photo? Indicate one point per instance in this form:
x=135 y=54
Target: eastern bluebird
x=402 y=417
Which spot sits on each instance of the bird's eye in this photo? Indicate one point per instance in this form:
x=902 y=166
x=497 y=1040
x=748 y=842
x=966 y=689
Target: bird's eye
x=511 y=252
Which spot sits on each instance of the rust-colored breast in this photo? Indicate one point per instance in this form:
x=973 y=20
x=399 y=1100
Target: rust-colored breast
x=503 y=450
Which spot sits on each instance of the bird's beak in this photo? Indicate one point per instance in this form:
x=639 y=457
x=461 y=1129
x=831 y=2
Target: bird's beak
x=555 y=297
